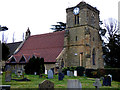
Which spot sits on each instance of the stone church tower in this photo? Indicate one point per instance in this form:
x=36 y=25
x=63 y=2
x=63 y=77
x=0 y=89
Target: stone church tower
x=82 y=44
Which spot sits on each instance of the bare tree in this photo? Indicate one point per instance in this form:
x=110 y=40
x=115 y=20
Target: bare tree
x=23 y=37
x=4 y=38
x=111 y=42
x=111 y=26
x=13 y=38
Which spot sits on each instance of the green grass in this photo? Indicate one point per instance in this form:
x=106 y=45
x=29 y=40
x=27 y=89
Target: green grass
x=35 y=81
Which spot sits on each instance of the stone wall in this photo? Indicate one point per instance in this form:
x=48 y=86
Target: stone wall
x=82 y=41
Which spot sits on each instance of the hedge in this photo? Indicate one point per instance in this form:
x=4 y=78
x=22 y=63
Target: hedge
x=97 y=73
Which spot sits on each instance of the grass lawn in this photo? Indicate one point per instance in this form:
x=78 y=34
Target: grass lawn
x=35 y=80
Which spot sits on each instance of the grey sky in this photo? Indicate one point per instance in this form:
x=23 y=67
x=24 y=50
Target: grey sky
x=39 y=15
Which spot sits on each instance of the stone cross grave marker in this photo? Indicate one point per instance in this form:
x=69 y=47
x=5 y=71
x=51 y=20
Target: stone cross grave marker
x=50 y=74
x=97 y=83
x=8 y=73
x=46 y=84
x=75 y=73
x=75 y=83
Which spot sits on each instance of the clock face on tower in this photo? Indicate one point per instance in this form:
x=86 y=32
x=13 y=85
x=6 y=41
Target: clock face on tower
x=76 y=10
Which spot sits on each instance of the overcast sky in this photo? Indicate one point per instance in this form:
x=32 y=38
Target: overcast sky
x=39 y=15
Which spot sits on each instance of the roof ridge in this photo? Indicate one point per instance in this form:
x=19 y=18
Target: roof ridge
x=47 y=33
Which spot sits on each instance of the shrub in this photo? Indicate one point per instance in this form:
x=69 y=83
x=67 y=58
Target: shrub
x=115 y=72
x=97 y=73
x=80 y=70
x=88 y=72
x=94 y=74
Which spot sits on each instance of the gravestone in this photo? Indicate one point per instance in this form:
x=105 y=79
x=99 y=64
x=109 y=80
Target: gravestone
x=8 y=73
x=50 y=74
x=71 y=74
x=68 y=73
x=35 y=73
x=97 y=83
x=45 y=71
x=107 y=81
x=75 y=73
x=46 y=84
x=60 y=76
x=74 y=84
x=19 y=73
x=5 y=87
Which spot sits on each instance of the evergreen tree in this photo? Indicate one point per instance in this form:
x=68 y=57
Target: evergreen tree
x=60 y=27
x=111 y=42
x=112 y=52
x=5 y=51
x=3 y=28
x=35 y=65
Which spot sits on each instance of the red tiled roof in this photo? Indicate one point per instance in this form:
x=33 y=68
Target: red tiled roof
x=47 y=46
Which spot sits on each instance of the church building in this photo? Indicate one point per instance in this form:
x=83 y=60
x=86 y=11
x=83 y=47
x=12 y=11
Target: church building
x=78 y=45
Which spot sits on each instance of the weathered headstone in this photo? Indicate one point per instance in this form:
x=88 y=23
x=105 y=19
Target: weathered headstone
x=45 y=71
x=8 y=73
x=71 y=74
x=68 y=73
x=46 y=84
x=19 y=73
x=60 y=76
x=74 y=84
x=107 y=81
x=5 y=87
x=50 y=74
x=35 y=73
x=97 y=83
x=75 y=73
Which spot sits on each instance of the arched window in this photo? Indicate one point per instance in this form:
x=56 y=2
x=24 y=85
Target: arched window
x=76 y=19
x=76 y=38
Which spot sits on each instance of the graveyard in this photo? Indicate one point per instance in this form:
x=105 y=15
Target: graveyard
x=68 y=58
x=35 y=80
